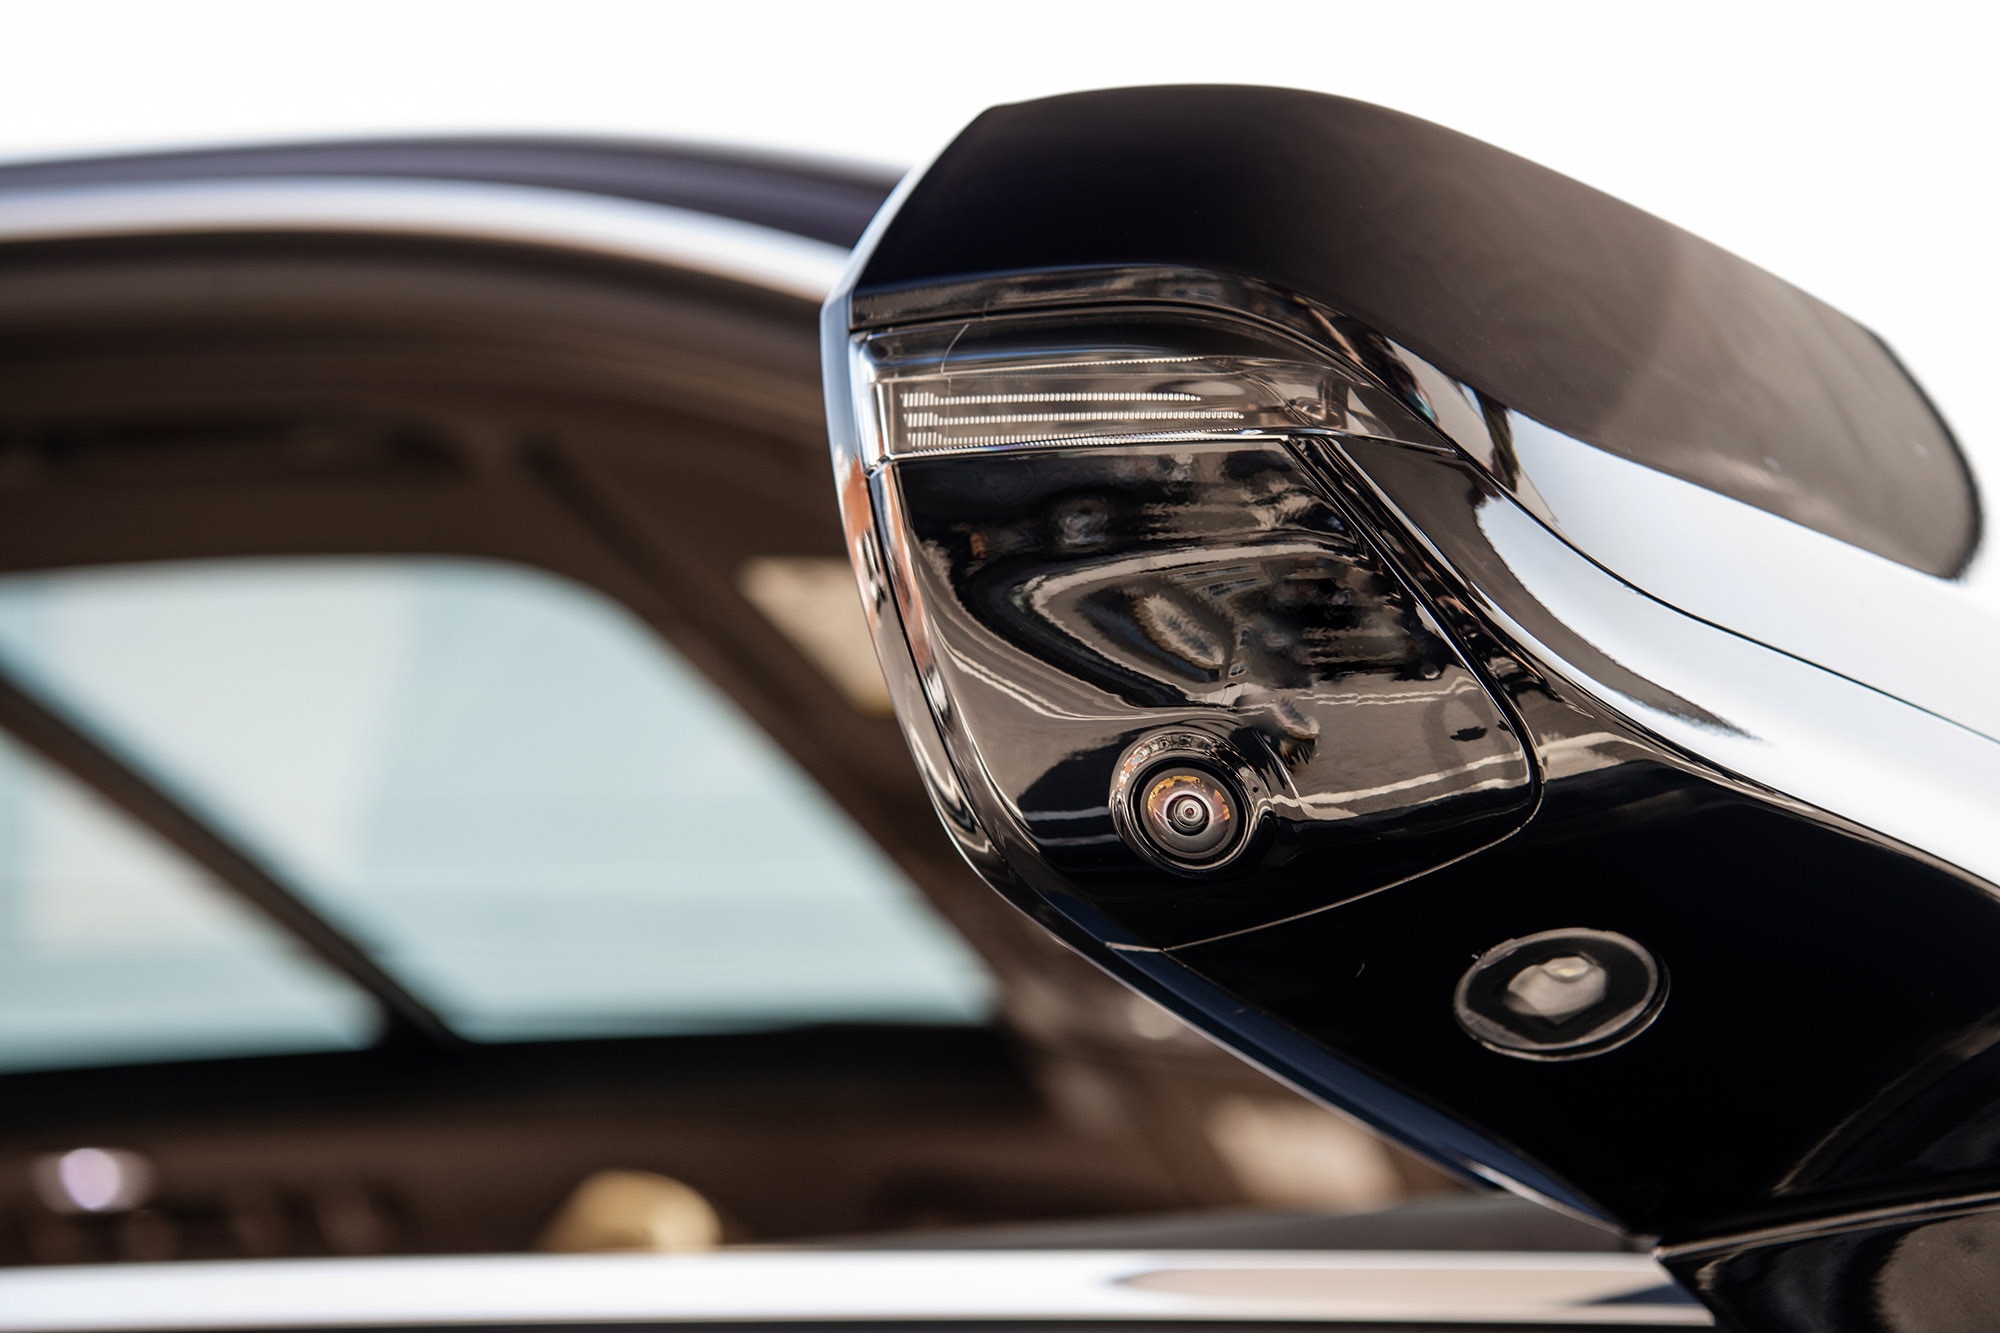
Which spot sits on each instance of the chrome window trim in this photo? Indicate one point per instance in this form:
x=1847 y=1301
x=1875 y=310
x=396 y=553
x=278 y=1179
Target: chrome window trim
x=851 y=1286
x=568 y=220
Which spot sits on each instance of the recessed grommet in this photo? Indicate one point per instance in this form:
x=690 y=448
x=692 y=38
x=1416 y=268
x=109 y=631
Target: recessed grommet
x=1560 y=995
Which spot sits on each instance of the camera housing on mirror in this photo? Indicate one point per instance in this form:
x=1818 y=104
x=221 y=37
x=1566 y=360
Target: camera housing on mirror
x=1187 y=803
x=1112 y=535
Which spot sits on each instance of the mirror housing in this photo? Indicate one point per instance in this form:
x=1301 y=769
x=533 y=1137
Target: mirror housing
x=1488 y=657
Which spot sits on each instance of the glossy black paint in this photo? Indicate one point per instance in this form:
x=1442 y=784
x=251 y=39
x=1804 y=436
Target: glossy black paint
x=1830 y=1038
x=1562 y=303
x=1830 y=1011
x=1792 y=1000
x=1923 y=1274
x=1825 y=1042
x=1088 y=598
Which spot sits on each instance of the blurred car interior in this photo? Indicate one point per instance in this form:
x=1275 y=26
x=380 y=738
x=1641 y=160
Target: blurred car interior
x=448 y=802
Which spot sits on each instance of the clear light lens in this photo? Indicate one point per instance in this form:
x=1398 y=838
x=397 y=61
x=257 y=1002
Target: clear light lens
x=1003 y=384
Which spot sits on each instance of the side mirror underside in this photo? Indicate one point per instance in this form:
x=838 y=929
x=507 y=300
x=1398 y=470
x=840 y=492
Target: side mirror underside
x=1487 y=656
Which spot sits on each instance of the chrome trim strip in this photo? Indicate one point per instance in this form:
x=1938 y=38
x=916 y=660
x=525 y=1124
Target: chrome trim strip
x=1860 y=1219
x=847 y=1286
x=870 y=550
x=462 y=210
x=1921 y=639
x=1781 y=721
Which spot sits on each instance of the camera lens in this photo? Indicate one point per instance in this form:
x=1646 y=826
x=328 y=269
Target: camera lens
x=1185 y=801
x=1188 y=813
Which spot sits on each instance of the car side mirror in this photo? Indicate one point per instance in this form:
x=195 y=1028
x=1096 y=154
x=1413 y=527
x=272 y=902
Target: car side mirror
x=1494 y=660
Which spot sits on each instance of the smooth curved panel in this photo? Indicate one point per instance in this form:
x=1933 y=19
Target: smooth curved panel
x=1547 y=297
x=1082 y=599
x=1796 y=855
x=1789 y=948
x=1925 y=1271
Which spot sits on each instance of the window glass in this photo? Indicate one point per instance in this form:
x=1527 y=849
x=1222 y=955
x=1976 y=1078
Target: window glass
x=502 y=784
x=114 y=949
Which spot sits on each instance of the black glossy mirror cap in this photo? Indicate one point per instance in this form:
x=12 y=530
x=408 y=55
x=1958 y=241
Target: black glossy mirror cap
x=1543 y=295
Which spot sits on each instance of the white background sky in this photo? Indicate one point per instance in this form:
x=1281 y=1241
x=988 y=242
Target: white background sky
x=1849 y=149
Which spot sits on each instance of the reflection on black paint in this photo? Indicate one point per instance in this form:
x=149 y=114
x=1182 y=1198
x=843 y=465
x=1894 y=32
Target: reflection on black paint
x=1210 y=585
x=1926 y=1274
x=1780 y=1025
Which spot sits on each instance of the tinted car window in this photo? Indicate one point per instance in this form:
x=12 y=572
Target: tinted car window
x=113 y=949
x=527 y=806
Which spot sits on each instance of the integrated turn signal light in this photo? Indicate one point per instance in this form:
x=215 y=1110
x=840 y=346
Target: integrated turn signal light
x=1008 y=383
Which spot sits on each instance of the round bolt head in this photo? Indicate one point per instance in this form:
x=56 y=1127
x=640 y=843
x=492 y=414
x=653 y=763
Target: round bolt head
x=1556 y=989
x=1560 y=994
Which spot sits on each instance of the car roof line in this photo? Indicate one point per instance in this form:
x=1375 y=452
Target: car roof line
x=818 y=199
